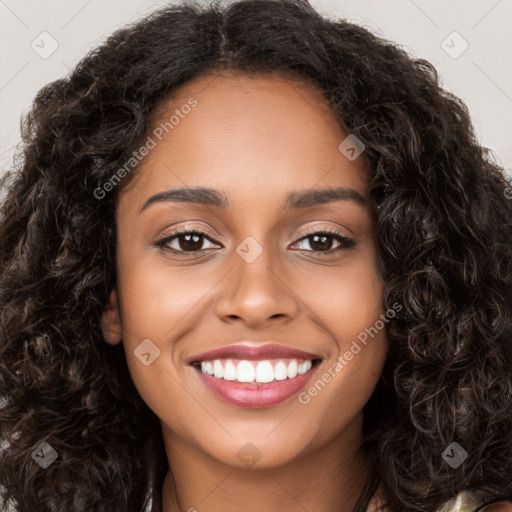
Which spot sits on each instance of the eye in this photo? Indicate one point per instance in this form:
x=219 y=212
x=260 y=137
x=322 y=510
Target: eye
x=321 y=241
x=184 y=240
x=190 y=240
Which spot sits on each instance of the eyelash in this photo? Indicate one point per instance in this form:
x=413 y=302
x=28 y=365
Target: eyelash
x=345 y=242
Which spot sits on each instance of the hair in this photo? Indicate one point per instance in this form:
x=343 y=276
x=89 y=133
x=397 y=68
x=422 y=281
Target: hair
x=444 y=232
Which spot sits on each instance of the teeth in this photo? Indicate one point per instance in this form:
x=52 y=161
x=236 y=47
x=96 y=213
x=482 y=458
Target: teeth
x=218 y=370
x=230 y=371
x=304 y=367
x=292 y=369
x=255 y=371
x=264 y=372
x=280 y=371
x=245 y=372
x=207 y=367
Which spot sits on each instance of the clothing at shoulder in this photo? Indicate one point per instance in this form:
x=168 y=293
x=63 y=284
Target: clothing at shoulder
x=500 y=506
x=464 y=502
x=467 y=502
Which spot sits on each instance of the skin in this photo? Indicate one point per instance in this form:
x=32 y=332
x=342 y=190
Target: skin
x=256 y=138
x=498 y=507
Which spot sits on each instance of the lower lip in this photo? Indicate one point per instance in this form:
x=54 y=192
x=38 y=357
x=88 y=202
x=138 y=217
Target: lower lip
x=253 y=396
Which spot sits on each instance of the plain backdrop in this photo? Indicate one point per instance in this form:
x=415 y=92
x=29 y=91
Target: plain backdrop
x=468 y=41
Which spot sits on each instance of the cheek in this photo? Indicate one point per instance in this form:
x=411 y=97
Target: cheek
x=352 y=315
x=347 y=299
x=160 y=306
x=156 y=300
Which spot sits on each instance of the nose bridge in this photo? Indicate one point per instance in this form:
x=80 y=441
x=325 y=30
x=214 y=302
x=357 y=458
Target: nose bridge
x=255 y=291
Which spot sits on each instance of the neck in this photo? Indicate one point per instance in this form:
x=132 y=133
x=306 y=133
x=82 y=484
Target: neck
x=327 y=479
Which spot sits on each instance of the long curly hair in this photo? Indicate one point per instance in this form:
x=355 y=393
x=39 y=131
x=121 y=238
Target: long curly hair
x=444 y=229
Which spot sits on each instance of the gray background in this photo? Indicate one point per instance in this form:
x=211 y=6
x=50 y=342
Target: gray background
x=481 y=75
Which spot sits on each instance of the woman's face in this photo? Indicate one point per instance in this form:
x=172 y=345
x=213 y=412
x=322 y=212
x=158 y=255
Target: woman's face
x=257 y=282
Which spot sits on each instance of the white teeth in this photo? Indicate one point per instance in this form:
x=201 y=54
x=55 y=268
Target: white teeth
x=280 y=371
x=218 y=370
x=292 y=369
x=255 y=371
x=229 y=371
x=264 y=372
x=245 y=372
x=304 y=367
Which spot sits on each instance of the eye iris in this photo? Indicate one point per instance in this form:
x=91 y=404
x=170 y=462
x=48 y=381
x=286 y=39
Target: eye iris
x=189 y=245
x=324 y=245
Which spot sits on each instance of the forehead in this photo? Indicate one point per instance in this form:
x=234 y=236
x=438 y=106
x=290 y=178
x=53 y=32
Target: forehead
x=247 y=134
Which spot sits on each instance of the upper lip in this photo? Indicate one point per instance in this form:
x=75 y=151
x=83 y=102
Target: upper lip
x=263 y=351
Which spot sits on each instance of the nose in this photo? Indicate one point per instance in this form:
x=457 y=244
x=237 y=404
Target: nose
x=256 y=292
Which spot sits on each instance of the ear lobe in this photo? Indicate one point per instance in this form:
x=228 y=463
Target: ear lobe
x=111 y=321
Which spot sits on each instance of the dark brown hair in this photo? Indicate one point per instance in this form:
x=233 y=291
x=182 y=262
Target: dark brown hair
x=444 y=228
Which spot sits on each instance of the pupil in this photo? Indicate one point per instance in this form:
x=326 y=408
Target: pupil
x=190 y=245
x=324 y=245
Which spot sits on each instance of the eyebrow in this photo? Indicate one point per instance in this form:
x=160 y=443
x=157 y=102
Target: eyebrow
x=295 y=200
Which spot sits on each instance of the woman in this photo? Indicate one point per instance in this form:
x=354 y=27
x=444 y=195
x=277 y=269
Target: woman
x=254 y=259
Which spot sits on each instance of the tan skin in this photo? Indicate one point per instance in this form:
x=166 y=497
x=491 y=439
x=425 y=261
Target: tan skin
x=256 y=139
x=498 y=507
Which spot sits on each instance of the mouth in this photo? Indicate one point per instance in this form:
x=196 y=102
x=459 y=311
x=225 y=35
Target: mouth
x=242 y=376
x=255 y=372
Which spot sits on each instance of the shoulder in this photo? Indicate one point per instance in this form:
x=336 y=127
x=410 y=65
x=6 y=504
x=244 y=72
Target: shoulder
x=499 y=506
x=468 y=502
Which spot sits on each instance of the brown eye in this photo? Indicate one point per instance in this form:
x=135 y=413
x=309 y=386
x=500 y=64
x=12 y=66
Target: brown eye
x=185 y=241
x=190 y=242
x=322 y=241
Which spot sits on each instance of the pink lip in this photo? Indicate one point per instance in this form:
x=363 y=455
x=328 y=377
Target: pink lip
x=266 y=351
x=253 y=396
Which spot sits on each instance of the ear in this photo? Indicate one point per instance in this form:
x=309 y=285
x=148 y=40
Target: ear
x=111 y=321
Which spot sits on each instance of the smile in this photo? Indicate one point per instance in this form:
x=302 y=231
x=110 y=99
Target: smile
x=259 y=372
x=255 y=376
